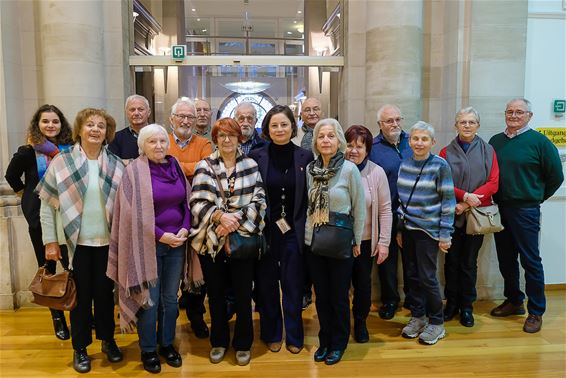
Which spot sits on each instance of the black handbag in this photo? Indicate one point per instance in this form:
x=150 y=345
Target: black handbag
x=240 y=247
x=335 y=238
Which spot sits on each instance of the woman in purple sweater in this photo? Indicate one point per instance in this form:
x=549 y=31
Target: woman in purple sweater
x=148 y=249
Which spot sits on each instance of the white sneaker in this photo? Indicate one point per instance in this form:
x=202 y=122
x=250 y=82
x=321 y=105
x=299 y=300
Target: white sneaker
x=243 y=357
x=414 y=327
x=431 y=334
x=217 y=354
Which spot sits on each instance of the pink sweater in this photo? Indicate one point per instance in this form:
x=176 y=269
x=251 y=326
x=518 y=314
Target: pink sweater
x=381 y=217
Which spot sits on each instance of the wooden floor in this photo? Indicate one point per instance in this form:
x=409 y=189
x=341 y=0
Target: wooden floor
x=494 y=347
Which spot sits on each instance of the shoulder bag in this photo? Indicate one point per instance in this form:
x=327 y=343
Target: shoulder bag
x=483 y=220
x=335 y=238
x=56 y=291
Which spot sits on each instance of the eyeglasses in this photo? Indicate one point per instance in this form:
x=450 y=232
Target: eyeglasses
x=182 y=117
x=464 y=123
x=316 y=109
x=392 y=121
x=513 y=113
x=222 y=136
x=250 y=119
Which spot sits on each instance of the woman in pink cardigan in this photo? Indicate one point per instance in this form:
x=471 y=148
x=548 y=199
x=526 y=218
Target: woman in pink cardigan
x=377 y=228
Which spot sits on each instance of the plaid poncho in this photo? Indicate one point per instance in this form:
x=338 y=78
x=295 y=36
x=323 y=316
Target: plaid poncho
x=248 y=199
x=64 y=186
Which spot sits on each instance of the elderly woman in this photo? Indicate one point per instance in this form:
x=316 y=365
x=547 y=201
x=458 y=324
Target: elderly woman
x=48 y=134
x=78 y=191
x=228 y=197
x=377 y=228
x=282 y=165
x=426 y=213
x=336 y=196
x=476 y=178
x=154 y=189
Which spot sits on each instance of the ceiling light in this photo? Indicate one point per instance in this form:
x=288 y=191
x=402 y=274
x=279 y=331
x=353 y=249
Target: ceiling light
x=300 y=29
x=194 y=10
x=294 y=22
x=246 y=87
x=204 y=30
x=289 y=32
x=198 y=19
x=299 y=12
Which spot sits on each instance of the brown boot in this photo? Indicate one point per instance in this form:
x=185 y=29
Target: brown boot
x=507 y=308
x=533 y=323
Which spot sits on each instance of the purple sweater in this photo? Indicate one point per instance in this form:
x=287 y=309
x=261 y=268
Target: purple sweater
x=169 y=198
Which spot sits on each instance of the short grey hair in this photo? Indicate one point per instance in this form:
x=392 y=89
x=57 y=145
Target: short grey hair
x=245 y=105
x=337 y=129
x=523 y=100
x=136 y=97
x=467 y=110
x=149 y=131
x=186 y=101
x=422 y=126
x=382 y=109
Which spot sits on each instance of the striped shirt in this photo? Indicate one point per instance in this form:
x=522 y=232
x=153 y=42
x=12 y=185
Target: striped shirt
x=432 y=205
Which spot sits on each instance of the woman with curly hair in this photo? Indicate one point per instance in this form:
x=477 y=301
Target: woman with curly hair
x=48 y=133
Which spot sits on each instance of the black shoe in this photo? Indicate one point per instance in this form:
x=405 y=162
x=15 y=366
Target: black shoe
x=60 y=325
x=81 y=361
x=113 y=353
x=467 y=318
x=450 y=311
x=361 y=334
x=334 y=357
x=151 y=362
x=200 y=328
x=307 y=300
x=387 y=311
x=172 y=357
x=320 y=354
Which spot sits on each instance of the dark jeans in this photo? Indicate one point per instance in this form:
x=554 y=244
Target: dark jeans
x=219 y=274
x=331 y=279
x=283 y=264
x=89 y=267
x=461 y=269
x=361 y=281
x=424 y=290
x=164 y=311
x=520 y=238
x=387 y=271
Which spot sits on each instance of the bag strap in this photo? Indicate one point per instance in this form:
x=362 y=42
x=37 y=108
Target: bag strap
x=66 y=268
x=415 y=185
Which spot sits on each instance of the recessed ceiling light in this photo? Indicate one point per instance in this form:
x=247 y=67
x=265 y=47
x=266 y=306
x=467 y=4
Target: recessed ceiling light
x=194 y=10
x=299 y=12
x=289 y=32
x=198 y=19
x=203 y=30
x=294 y=22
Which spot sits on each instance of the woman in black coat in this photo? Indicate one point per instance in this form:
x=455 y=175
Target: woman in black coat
x=49 y=132
x=283 y=169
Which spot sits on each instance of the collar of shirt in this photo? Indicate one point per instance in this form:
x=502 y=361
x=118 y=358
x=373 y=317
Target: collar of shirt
x=202 y=133
x=511 y=135
x=134 y=132
x=181 y=143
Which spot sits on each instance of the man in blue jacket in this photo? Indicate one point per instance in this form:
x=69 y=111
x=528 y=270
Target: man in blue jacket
x=389 y=148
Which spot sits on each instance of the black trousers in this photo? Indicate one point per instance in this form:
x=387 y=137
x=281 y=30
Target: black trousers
x=461 y=269
x=361 y=281
x=387 y=271
x=219 y=274
x=39 y=249
x=331 y=279
x=89 y=267
x=195 y=303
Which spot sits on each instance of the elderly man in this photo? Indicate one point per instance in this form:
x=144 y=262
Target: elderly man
x=189 y=149
x=389 y=148
x=530 y=173
x=125 y=143
x=246 y=116
x=311 y=112
x=204 y=114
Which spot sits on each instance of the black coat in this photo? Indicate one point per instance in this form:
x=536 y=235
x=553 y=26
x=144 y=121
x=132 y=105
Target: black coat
x=301 y=158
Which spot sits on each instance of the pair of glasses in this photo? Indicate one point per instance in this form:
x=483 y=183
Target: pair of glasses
x=250 y=119
x=222 y=136
x=182 y=117
x=513 y=113
x=393 y=121
x=316 y=109
x=464 y=123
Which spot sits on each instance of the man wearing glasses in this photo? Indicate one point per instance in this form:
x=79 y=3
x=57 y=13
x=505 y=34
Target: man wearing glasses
x=311 y=112
x=204 y=114
x=246 y=116
x=389 y=148
x=530 y=173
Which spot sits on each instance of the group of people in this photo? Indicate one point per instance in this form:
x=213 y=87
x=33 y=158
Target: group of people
x=143 y=212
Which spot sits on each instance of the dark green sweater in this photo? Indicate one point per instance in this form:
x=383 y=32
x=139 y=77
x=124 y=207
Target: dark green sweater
x=530 y=170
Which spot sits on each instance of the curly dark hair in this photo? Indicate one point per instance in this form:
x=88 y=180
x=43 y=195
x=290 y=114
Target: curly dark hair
x=34 y=135
x=85 y=114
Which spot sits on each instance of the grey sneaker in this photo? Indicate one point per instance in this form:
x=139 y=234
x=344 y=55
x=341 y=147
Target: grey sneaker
x=243 y=357
x=414 y=327
x=217 y=354
x=431 y=334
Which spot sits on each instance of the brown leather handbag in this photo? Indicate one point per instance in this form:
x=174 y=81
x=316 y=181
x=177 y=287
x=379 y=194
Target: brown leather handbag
x=56 y=291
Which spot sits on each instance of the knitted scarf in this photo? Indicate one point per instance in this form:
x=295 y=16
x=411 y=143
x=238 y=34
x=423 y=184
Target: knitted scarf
x=132 y=260
x=319 y=204
x=44 y=153
x=65 y=183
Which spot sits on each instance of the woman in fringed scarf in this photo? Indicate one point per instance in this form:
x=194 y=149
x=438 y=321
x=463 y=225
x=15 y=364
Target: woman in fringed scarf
x=213 y=220
x=77 y=194
x=148 y=246
x=476 y=179
x=334 y=185
x=49 y=133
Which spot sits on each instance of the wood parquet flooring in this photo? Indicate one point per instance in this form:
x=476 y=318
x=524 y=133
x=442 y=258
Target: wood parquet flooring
x=493 y=348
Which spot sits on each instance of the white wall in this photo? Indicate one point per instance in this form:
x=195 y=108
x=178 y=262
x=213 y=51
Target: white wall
x=545 y=81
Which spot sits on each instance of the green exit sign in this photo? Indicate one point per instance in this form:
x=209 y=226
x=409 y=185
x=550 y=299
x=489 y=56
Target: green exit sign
x=559 y=106
x=178 y=52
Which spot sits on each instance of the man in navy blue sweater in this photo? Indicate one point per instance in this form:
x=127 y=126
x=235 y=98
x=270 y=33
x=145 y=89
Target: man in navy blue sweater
x=125 y=143
x=389 y=148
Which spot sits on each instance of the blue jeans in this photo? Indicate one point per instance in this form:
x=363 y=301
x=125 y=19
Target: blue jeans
x=163 y=313
x=520 y=238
